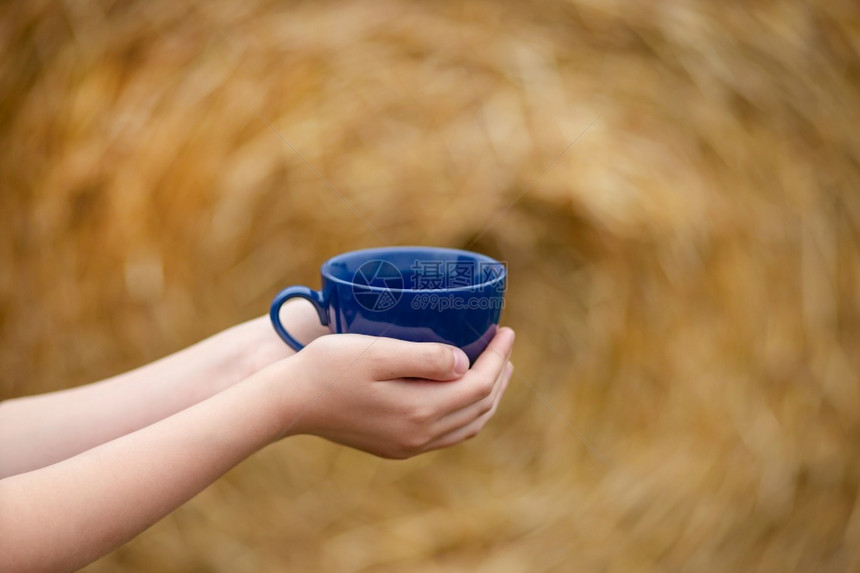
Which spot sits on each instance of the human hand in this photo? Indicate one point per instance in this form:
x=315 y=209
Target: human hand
x=393 y=398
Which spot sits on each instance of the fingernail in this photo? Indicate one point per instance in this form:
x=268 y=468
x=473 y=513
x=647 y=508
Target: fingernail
x=461 y=361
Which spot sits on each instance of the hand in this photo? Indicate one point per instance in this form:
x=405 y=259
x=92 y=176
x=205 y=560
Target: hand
x=396 y=399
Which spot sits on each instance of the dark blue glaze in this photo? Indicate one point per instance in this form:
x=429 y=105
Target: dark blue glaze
x=421 y=294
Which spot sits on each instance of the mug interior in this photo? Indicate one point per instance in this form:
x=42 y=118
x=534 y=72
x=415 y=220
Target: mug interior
x=414 y=269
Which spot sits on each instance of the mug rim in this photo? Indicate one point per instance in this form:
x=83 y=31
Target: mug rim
x=325 y=270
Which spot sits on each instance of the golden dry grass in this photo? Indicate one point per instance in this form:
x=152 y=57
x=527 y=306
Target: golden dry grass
x=685 y=278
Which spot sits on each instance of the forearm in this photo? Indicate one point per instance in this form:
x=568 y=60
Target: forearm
x=384 y=396
x=40 y=430
x=64 y=516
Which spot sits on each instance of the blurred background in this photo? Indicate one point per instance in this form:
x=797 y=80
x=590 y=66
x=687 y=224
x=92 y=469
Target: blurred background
x=673 y=185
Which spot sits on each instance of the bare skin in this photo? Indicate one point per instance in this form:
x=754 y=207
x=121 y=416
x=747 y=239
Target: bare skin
x=89 y=415
x=162 y=433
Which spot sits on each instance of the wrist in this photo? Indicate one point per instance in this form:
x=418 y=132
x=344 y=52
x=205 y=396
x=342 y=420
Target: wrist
x=266 y=347
x=288 y=395
x=254 y=345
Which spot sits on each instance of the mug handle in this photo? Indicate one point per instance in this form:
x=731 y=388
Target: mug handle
x=316 y=298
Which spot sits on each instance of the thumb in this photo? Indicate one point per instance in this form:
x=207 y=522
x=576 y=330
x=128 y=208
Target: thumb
x=391 y=358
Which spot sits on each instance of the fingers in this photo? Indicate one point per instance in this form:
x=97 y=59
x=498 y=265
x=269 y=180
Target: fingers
x=479 y=393
x=471 y=424
x=493 y=359
x=467 y=414
x=451 y=413
x=479 y=382
x=392 y=359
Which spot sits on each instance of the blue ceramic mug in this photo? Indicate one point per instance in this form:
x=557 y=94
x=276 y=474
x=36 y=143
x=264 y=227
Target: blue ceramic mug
x=421 y=294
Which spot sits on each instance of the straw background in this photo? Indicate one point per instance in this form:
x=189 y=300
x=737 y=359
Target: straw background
x=685 y=278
